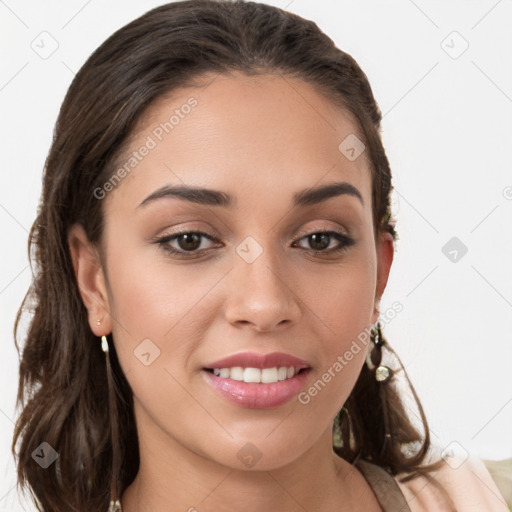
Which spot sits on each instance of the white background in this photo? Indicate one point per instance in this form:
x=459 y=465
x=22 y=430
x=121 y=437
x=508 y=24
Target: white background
x=447 y=129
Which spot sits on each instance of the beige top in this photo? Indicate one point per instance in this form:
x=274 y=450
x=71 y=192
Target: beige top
x=458 y=486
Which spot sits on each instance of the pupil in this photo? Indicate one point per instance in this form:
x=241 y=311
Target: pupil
x=319 y=241
x=191 y=241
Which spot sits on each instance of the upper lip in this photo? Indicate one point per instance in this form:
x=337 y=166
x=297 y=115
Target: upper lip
x=257 y=360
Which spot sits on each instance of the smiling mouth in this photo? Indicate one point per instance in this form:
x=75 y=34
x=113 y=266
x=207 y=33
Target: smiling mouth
x=256 y=375
x=257 y=388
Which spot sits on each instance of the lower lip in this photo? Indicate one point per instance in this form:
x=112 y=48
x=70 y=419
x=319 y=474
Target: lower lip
x=257 y=395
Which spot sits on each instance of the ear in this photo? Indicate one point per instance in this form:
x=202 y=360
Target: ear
x=385 y=251
x=90 y=279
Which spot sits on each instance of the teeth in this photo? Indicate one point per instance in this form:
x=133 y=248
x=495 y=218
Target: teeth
x=236 y=373
x=269 y=375
x=255 y=375
x=282 y=373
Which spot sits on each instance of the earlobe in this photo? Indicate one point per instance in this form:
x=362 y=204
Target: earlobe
x=385 y=253
x=90 y=279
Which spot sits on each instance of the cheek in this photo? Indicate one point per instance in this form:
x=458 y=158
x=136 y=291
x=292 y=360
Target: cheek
x=344 y=305
x=146 y=300
x=344 y=297
x=150 y=293
x=156 y=310
x=143 y=302
x=162 y=309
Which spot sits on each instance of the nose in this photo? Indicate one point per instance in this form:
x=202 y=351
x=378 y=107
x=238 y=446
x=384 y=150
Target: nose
x=261 y=294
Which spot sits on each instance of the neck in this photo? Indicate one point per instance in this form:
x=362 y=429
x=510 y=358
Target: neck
x=171 y=475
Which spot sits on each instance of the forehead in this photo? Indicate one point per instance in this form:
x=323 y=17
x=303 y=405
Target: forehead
x=239 y=133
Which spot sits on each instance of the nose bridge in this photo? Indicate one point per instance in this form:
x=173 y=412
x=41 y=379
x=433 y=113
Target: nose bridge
x=262 y=295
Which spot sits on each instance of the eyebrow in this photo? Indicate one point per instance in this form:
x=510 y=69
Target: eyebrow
x=209 y=197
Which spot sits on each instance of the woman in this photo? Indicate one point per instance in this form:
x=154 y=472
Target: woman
x=212 y=246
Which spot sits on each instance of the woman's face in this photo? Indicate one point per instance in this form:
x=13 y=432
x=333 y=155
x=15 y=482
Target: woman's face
x=254 y=283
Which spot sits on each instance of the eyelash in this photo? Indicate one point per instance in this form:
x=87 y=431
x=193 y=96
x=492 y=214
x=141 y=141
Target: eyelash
x=163 y=242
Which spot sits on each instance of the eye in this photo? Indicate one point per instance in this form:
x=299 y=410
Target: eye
x=321 y=240
x=190 y=243
x=187 y=241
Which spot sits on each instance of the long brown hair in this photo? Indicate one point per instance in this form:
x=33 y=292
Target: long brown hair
x=63 y=376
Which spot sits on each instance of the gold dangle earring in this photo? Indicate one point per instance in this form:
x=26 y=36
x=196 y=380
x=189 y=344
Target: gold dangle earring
x=115 y=504
x=381 y=372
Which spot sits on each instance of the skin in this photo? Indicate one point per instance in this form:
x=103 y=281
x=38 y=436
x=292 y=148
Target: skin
x=260 y=139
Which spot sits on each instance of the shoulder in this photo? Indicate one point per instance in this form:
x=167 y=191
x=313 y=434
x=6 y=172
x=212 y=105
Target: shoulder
x=461 y=487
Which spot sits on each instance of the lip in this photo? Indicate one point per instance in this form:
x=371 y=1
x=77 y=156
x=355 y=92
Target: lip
x=254 y=395
x=261 y=361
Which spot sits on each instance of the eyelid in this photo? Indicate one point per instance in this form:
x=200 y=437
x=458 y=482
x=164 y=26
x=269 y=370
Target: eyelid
x=319 y=229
